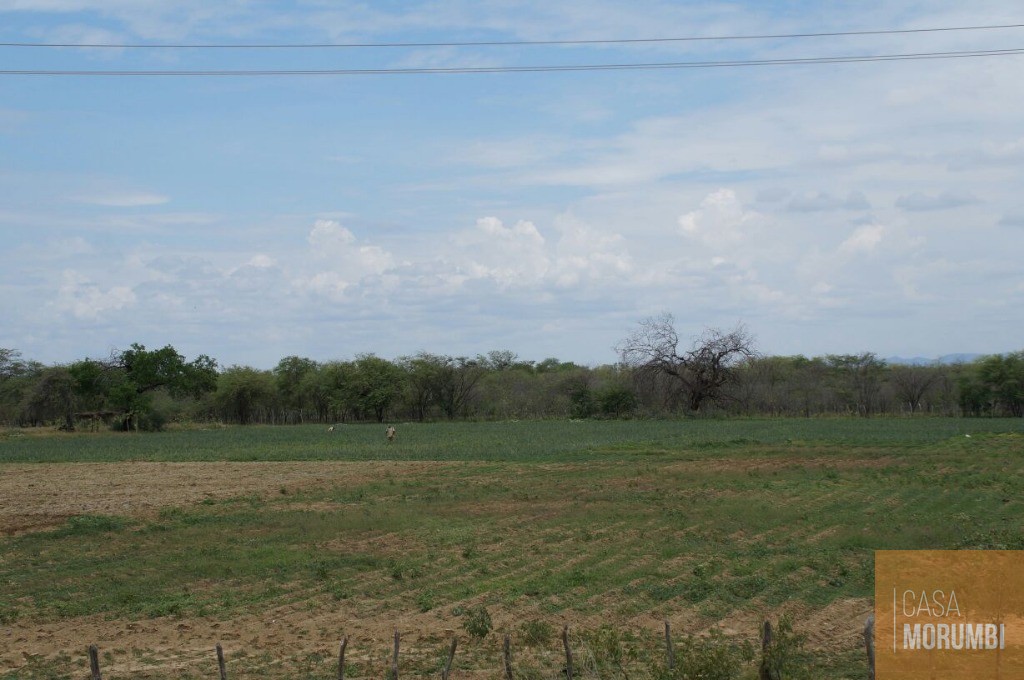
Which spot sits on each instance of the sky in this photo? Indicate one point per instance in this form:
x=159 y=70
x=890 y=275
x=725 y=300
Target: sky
x=830 y=208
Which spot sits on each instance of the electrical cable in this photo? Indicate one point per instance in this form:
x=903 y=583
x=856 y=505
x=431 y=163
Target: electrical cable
x=524 y=69
x=504 y=43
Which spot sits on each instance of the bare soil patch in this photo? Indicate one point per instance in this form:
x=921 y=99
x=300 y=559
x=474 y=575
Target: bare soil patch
x=775 y=463
x=38 y=496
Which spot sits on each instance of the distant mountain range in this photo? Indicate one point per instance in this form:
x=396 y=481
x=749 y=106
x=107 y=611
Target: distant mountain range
x=924 y=361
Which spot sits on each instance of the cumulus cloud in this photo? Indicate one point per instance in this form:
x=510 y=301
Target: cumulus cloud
x=328 y=284
x=339 y=263
x=519 y=256
x=328 y=235
x=944 y=200
x=260 y=274
x=88 y=301
x=721 y=220
x=261 y=261
x=510 y=256
x=864 y=239
x=586 y=254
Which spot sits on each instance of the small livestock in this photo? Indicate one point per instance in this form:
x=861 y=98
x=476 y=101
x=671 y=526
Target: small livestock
x=390 y=433
x=331 y=428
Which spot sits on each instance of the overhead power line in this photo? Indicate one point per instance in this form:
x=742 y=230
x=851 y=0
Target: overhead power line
x=505 y=43
x=527 y=69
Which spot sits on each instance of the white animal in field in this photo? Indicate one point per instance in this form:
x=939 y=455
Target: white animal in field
x=331 y=428
x=390 y=433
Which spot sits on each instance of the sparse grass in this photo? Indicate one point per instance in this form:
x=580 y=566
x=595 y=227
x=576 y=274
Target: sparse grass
x=534 y=522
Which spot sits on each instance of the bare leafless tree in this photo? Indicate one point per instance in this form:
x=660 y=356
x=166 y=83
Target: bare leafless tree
x=912 y=383
x=701 y=371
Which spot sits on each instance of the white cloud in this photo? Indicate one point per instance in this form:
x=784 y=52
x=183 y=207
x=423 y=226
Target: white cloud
x=339 y=263
x=585 y=254
x=87 y=301
x=515 y=256
x=261 y=261
x=619 y=192
x=864 y=239
x=328 y=284
x=328 y=235
x=721 y=220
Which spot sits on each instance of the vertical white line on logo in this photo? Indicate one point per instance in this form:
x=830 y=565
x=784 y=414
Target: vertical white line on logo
x=894 y=620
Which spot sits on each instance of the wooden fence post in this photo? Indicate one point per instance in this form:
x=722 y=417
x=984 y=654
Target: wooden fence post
x=765 y=672
x=869 y=644
x=451 y=657
x=341 y=658
x=568 y=652
x=508 y=656
x=94 y=662
x=220 y=663
x=394 y=660
x=669 y=652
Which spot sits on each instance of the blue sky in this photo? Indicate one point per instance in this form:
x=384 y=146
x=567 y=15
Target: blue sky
x=831 y=208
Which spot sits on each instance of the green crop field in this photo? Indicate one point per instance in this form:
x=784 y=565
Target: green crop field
x=276 y=542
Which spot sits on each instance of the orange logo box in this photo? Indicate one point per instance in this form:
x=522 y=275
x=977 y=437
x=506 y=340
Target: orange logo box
x=949 y=614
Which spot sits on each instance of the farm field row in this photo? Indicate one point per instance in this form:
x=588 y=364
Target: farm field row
x=157 y=552
x=544 y=441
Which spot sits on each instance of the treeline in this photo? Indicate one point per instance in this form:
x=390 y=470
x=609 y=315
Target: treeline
x=146 y=389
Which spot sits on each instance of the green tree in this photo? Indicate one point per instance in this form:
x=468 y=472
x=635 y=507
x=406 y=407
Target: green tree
x=616 y=401
x=140 y=372
x=455 y=381
x=808 y=388
x=553 y=365
x=244 y=394
x=443 y=381
x=858 y=379
x=52 y=397
x=290 y=375
x=502 y=360
x=93 y=380
x=421 y=381
x=316 y=390
x=374 y=386
x=148 y=370
x=336 y=381
x=17 y=378
x=581 y=396
x=1003 y=377
x=11 y=365
x=974 y=396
